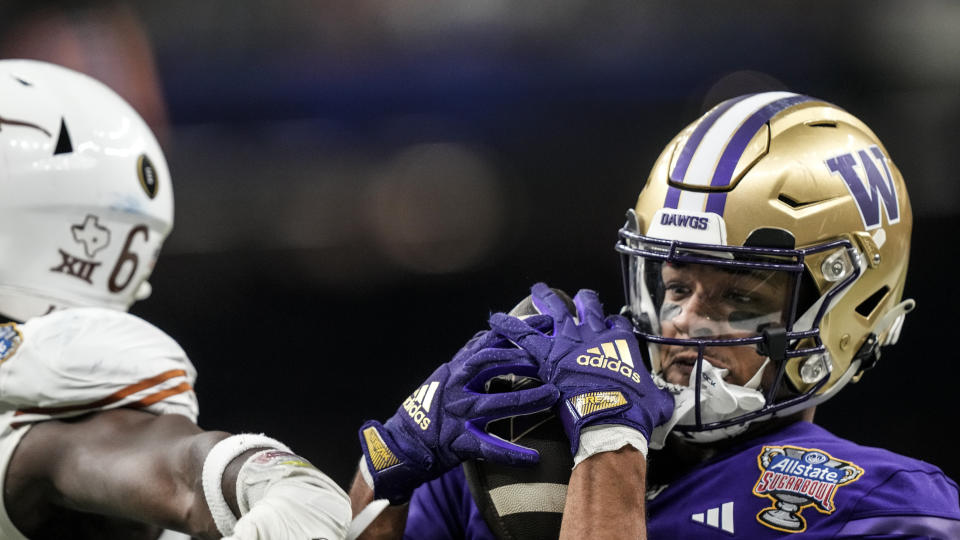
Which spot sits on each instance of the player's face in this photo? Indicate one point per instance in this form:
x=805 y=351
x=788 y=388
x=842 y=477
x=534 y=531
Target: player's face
x=702 y=301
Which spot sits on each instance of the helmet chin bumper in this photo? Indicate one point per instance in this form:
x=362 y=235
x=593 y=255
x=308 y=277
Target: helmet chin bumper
x=708 y=399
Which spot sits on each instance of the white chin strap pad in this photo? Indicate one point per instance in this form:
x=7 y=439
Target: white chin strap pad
x=718 y=400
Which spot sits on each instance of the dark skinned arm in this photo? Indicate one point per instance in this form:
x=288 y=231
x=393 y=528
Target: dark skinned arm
x=123 y=463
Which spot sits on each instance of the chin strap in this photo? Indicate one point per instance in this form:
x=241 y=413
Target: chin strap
x=718 y=400
x=889 y=327
x=885 y=332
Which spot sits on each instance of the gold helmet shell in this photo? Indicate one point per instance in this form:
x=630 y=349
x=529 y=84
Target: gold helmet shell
x=792 y=164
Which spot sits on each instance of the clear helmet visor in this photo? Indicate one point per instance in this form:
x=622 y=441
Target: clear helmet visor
x=719 y=309
x=720 y=322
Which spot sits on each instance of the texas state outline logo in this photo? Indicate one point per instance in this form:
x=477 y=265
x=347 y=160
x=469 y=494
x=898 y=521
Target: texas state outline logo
x=795 y=478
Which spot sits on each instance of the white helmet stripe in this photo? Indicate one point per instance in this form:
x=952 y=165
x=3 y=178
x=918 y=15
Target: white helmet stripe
x=706 y=156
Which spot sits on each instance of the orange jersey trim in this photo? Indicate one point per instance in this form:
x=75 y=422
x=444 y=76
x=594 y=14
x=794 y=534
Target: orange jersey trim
x=120 y=394
x=161 y=395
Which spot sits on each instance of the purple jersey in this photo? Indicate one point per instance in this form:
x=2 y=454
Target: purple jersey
x=444 y=509
x=805 y=479
x=799 y=479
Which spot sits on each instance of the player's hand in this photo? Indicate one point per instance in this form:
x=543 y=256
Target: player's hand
x=442 y=424
x=289 y=513
x=593 y=361
x=283 y=497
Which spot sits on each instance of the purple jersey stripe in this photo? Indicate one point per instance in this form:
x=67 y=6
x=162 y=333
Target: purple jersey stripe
x=690 y=148
x=923 y=526
x=738 y=143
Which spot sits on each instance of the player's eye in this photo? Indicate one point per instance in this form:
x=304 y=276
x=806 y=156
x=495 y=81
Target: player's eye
x=738 y=297
x=676 y=290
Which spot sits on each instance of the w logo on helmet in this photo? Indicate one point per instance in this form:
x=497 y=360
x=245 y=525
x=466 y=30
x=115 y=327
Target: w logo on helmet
x=878 y=188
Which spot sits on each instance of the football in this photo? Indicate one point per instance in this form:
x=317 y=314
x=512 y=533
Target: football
x=524 y=502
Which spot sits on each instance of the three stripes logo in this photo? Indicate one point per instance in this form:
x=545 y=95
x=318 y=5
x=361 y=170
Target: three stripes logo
x=418 y=404
x=613 y=355
x=592 y=402
x=380 y=455
x=717 y=518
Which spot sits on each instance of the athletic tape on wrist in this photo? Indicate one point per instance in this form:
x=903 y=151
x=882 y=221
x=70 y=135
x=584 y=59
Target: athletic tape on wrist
x=365 y=472
x=608 y=438
x=266 y=467
x=216 y=463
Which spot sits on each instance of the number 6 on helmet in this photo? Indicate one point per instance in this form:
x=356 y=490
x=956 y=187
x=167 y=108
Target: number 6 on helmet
x=85 y=194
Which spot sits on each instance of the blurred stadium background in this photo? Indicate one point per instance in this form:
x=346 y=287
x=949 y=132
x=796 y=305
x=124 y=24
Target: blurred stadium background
x=358 y=184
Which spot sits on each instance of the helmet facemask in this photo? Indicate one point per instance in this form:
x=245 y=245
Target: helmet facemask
x=722 y=323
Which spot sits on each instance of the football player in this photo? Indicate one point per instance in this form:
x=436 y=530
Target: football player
x=98 y=434
x=764 y=265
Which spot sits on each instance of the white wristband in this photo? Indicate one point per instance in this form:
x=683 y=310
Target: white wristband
x=216 y=463
x=608 y=438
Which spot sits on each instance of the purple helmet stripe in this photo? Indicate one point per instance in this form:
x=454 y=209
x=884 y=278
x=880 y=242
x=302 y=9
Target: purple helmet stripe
x=738 y=143
x=686 y=154
x=716 y=202
x=690 y=148
x=673 y=198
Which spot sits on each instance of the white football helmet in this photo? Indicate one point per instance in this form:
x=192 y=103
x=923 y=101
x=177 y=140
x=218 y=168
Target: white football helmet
x=85 y=194
x=772 y=232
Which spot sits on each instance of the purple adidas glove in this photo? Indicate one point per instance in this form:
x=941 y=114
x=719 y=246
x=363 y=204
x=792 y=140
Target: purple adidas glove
x=442 y=424
x=595 y=364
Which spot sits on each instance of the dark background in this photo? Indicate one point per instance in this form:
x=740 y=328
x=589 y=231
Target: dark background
x=359 y=184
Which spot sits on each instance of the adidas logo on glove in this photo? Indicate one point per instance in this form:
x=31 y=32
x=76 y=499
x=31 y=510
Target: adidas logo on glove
x=418 y=404
x=614 y=356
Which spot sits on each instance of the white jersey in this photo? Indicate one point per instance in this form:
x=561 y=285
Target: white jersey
x=82 y=360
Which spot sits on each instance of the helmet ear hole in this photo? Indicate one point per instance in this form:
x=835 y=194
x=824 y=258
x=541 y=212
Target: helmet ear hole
x=867 y=307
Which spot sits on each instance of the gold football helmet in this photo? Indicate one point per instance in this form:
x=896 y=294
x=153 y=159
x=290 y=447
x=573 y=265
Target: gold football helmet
x=774 y=231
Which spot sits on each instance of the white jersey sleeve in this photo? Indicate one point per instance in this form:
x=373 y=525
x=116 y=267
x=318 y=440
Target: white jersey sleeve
x=82 y=360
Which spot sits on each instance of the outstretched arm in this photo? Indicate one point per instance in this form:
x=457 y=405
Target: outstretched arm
x=122 y=463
